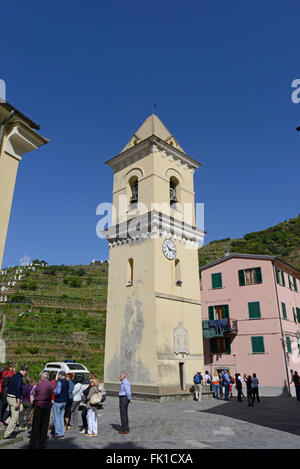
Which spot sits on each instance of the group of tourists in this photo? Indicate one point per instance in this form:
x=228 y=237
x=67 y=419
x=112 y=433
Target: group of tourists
x=49 y=406
x=221 y=384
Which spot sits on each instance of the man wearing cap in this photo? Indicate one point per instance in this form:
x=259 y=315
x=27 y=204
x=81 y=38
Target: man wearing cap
x=226 y=383
x=60 y=400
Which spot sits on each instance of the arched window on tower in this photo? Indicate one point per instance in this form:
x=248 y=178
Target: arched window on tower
x=178 y=280
x=130 y=272
x=174 y=185
x=134 y=187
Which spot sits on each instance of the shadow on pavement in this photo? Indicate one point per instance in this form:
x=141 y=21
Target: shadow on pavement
x=280 y=413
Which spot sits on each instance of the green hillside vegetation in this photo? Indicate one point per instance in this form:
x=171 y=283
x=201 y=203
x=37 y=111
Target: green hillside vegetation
x=282 y=240
x=56 y=313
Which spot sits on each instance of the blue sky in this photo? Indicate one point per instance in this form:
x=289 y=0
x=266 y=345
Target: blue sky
x=87 y=72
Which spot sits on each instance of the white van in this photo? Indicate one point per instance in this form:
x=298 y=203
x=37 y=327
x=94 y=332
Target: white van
x=77 y=369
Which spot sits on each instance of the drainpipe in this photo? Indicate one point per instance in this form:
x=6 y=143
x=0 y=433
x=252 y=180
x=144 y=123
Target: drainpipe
x=2 y=128
x=282 y=336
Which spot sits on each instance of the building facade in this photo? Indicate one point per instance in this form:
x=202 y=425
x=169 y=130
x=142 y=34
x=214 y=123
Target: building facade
x=251 y=318
x=154 y=327
x=18 y=135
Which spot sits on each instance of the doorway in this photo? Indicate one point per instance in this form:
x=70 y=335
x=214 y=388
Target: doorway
x=181 y=375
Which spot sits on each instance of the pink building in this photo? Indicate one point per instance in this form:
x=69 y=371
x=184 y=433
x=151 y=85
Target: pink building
x=251 y=319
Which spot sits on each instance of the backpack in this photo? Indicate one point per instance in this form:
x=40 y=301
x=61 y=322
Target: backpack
x=197 y=379
x=4 y=385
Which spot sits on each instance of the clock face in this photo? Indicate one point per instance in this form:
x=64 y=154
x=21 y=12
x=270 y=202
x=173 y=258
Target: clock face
x=169 y=249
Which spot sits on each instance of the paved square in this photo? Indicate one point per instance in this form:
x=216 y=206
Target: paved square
x=272 y=423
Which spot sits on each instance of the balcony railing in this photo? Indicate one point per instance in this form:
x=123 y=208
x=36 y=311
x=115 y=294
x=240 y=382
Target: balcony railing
x=215 y=329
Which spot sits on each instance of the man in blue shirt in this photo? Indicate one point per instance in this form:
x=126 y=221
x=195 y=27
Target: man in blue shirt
x=124 y=401
x=60 y=400
x=226 y=383
x=14 y=393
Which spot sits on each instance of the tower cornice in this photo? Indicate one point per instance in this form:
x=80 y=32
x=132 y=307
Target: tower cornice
x=153 y=224
x=152 y=144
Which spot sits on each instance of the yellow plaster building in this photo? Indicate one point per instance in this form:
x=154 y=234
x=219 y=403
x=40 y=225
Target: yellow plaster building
x=154 y=323
x=17 y=136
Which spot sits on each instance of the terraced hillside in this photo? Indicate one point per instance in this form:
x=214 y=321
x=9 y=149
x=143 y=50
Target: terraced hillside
x=55 y=313
x=282 y=240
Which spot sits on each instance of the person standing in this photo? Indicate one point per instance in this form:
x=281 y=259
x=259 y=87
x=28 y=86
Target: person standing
x=77 y=393
x=198 y=378
x=124 y=401
x=207 y=379
x=92 y=408
x=255 y=384
x=248 y=381
x=42 y=408
x=60 y=400
x=69 y=378
x=24 y=415
x=239 y=386
x=14 y=393
x=226 y=381
x=7 y=373
x=216 y=385
x=296 y=381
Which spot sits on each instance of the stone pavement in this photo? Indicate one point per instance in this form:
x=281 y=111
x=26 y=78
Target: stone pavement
x=272 y=423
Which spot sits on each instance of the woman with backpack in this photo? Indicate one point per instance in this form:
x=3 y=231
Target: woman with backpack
x=249 y=384
x=93 y=400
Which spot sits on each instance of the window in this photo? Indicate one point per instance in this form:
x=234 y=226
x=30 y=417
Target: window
x=294 y=315
x=283 y=307
x=220 y=345
x=130 y=272
x=254 y=310
x=218 y=312
x=288 y=344
x=298 y=314
x=250 y=276
x=216 y=280
x=258 y=344
x=280 y=276
x=174 y=185
x=134 y=188
x=293 y=284
x=178 y=273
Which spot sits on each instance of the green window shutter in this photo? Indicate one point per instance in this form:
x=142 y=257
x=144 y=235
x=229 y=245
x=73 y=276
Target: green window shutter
x=294 y=314
x=242 y=278
x=282 y=278
x=213 y=345
x=254 y=310
x=258 y=344
x=227 y=346
x=290 y=283
x=211 y=314
x=277 y=274
x=295 y=284
x=258 y=276
x=288 y=344
x=283 y=310
x=298 y=314
x=216 y=280
x=225 y=311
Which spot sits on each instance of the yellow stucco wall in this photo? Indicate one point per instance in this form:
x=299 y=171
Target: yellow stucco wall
x=8 y=173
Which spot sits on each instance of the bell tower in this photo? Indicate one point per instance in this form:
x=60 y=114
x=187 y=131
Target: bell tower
x=154 y=323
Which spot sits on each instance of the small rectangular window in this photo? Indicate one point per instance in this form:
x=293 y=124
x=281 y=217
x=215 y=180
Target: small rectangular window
x=258 y=344
x=254 y=310
x=288 y=344
x=283 y=307
x=216 y=280
x=250 y=276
